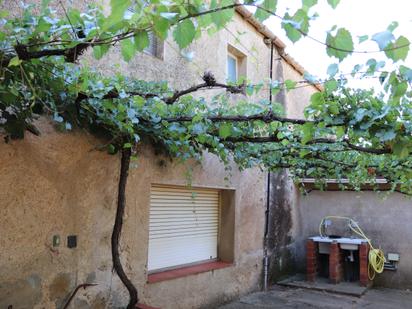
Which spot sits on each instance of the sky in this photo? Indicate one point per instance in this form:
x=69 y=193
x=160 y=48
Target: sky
x=360 y=17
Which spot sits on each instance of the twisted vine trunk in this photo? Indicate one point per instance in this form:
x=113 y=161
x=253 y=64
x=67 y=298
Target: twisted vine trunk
x=117 y=229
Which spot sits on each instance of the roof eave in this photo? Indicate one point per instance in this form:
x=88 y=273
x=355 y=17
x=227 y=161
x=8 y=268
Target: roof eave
x=280 y=45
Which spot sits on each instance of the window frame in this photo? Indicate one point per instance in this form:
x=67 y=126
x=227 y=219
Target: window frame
x=218 y=235
x=225 y=238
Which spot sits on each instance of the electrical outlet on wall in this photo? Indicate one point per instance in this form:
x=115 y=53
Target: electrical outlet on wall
x=56 y=240
x=72 y=241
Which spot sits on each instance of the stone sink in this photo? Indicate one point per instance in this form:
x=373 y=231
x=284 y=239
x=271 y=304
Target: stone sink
x=345 y=243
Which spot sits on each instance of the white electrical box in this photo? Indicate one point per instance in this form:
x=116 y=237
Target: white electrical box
x=393 y=257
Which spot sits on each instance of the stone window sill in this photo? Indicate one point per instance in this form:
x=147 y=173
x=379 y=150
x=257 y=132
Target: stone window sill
x=186 y=271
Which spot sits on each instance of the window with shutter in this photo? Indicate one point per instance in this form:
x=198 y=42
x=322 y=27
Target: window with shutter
x=155 y=47
x=183 y=226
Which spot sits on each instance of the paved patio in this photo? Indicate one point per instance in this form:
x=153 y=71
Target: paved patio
x=323 y=284
x=287 y=297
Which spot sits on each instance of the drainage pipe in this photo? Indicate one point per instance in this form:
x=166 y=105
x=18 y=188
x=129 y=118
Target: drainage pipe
x=267 y=212
x=266 y=238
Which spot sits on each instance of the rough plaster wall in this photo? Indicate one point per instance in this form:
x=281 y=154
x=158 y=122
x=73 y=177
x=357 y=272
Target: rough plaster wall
x=385 y=219
x=298 y=98
x=48 y=188
x=56 y=185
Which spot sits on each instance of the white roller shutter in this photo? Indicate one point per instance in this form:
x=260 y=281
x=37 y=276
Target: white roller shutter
x=183 y=226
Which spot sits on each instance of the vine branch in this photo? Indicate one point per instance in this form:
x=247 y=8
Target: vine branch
x=210 y=83
x=117 y=228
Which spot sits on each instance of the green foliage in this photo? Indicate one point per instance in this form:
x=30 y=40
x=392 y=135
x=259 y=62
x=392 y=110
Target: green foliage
x=348 y=133
x=222 y=17
x=339 y=45
x=398 y=50
x=15 y=61
x=363 y=38
x=290 y=84
x=99 y=51
x=296 y=25
x=225 y=130
x=307 y=4
x=333 y=3
x=128 y=49
x=141 y=40
x=184 y=33
x=267 y=5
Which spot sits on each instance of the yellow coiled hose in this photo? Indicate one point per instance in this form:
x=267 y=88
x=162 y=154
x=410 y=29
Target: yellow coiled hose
x=376 y=256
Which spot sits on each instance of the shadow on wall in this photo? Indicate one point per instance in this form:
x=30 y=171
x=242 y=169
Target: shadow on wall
x=30 y=292
x=281 y=245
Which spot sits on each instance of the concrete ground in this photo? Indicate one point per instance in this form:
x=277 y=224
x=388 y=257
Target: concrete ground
x=323 y=284
x=286 y=297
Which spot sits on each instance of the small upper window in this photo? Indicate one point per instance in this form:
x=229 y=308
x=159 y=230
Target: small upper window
x=155 y=47
x=232 y=70
x=236 y=65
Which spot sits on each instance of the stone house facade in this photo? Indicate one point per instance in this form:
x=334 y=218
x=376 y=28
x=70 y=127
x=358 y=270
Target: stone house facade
x=57 y=189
